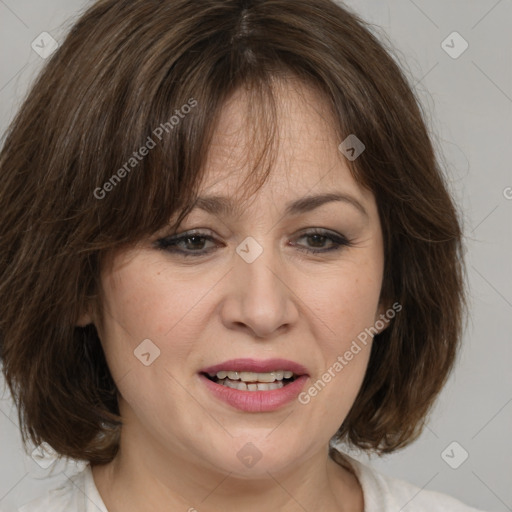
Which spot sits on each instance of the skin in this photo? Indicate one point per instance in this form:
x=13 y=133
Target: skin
x=179 y=444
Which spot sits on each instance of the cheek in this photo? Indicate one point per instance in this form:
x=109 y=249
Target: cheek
x=146 y=300
x=142 y=305
x=344 y=302
x=136 y=308
x=344 y=306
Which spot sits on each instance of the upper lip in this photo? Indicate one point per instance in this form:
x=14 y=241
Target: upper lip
x=257 y=366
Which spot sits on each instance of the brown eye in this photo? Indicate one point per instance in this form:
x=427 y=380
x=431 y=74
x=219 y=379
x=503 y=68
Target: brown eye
x=193 y=243
x=318 y=239
x=188 y=244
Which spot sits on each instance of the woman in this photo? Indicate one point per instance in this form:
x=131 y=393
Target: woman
x=226 y=243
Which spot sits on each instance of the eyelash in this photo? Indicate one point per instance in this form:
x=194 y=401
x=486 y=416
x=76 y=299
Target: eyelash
x=171 y=242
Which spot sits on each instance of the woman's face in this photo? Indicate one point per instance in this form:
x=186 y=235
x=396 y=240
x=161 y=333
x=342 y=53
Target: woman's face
x=252 y=291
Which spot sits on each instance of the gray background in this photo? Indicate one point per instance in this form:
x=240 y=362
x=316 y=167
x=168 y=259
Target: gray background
x=469 y=103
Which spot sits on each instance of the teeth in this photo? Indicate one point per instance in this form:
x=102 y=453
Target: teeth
x=270 y=377
x=242 y=386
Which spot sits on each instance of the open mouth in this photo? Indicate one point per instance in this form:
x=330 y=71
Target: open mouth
x=251 y=381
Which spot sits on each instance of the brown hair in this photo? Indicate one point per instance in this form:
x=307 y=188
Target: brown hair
x=122 y=71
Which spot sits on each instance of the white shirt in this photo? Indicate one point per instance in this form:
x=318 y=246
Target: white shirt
x=381 y=494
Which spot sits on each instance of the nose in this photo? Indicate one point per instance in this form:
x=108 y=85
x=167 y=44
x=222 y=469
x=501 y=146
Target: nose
x=259 y=300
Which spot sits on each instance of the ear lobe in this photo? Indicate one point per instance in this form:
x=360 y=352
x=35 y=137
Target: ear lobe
x=382 y=320
x=84 y=319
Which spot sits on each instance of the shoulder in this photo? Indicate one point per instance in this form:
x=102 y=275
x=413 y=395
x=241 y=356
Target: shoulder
x=384 y=493
x=77 y=494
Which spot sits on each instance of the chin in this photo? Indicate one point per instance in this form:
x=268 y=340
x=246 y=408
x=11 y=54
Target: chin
x=250 y=456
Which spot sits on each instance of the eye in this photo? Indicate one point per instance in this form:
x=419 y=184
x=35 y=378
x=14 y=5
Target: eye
x=192 y=243
x=318 y=237
x=185 y=244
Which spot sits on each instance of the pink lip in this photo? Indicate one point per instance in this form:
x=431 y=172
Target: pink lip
x=253 y=365
x=256 y=401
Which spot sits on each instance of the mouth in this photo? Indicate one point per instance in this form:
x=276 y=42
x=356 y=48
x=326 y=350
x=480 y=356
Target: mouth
x=255 y=385
x=252 y=381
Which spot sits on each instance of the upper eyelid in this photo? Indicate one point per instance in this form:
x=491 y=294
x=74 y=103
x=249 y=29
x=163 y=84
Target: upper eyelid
x=207 y=233
x=311 y=231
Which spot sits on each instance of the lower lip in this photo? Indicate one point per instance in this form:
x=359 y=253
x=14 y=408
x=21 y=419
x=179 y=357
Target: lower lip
x=256 y=401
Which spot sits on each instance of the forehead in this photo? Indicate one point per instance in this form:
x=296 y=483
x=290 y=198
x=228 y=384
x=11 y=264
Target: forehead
x=299 y=144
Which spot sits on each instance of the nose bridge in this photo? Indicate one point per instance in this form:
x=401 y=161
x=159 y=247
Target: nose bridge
x=256 y=268
x=263 y=301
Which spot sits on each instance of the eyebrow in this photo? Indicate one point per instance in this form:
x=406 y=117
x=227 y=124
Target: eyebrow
x=221 y=205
